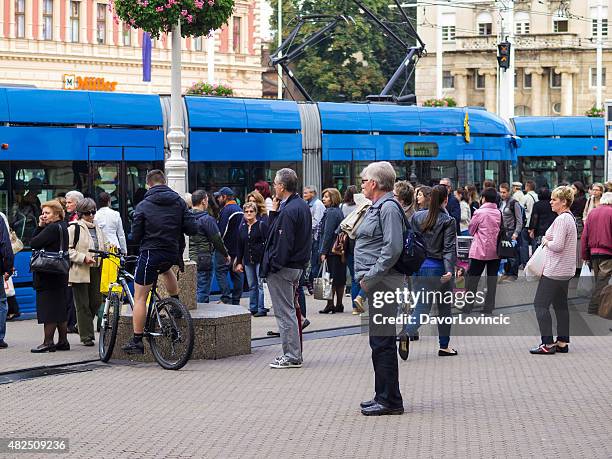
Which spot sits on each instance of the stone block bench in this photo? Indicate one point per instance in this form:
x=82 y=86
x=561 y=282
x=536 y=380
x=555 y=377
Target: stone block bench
x=221 y=330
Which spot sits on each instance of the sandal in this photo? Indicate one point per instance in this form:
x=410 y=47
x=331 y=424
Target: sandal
x=442 y=353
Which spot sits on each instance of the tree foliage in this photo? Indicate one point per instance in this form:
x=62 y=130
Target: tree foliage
x=357 y=60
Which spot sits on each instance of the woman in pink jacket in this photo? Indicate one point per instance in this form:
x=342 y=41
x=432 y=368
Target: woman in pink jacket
x=484 y=226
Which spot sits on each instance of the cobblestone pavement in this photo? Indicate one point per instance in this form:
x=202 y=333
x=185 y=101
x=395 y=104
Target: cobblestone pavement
x=493 y=400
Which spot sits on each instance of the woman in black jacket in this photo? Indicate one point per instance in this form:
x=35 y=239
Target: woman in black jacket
x=51 y=289
x=435 y=275
x=335 y=264
x=252 y=235
x=542 y=216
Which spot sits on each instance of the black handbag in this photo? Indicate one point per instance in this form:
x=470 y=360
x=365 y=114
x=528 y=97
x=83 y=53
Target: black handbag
x=505 y=246
x=51 y=262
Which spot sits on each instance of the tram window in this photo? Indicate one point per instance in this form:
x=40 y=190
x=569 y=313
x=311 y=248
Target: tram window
x=491 y=171
x=35 y=183
x=340 y=176
x=106 y=179
x=136 y=182
x=4 y=198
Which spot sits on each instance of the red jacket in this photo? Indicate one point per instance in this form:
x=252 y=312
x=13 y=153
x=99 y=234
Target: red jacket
x=597 y=234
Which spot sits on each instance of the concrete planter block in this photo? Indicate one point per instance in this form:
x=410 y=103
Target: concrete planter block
x=187 y=285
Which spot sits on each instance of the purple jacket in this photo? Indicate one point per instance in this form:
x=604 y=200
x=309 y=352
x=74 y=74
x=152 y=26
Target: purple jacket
x=484 y=226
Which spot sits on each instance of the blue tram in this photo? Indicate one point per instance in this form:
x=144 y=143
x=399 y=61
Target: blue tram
x=56 y=141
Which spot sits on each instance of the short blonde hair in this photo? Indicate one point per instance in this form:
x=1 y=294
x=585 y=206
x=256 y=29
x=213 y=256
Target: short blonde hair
x=564 y=193
x=250 y=205
x=56 y=207
x=334 y=196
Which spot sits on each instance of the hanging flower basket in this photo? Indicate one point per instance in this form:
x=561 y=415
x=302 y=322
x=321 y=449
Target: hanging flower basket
x=595 y=112
x=198 y=17
x=201 y=88
x=444 y=102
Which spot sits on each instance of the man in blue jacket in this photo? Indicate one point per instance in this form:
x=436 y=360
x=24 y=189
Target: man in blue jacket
x=286 y=255
x=6 y=269
x=229 y=221
x=160 y=221
x=453 y=207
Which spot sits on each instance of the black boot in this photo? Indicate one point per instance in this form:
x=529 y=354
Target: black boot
x=339 y=290
x=329 y=309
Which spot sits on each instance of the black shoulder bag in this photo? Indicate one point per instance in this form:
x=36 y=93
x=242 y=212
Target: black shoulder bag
x=51 y=262
x=505 y=249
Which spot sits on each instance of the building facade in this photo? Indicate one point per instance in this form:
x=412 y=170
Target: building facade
x=74 y=44
x=555 y=54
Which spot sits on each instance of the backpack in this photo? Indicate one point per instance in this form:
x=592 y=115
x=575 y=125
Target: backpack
x=523 y=213
x=77 y=234
x=413 y=251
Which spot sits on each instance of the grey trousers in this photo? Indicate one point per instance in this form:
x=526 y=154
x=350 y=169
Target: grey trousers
x=282 y=285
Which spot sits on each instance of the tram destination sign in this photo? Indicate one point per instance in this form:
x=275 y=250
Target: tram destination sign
x=421 y=150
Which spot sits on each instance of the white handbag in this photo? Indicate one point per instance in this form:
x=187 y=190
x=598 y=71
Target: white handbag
x=323 y=284
x=535 y=266
x=9 y=288
x=586 y=282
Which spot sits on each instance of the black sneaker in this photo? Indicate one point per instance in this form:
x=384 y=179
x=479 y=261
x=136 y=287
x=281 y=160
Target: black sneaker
x=3 y=344
x=133 y=348
x=404 y=346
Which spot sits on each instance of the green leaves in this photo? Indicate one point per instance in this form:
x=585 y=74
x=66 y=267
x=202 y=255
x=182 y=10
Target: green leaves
x=198 y=17
x=202 y=88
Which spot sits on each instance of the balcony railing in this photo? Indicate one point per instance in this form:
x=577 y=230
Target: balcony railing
x=524 y=42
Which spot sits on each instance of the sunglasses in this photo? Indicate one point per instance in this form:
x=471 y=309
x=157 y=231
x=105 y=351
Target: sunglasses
x=87 y=214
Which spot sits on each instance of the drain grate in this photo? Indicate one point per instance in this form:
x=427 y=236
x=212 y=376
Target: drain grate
x=41 y=372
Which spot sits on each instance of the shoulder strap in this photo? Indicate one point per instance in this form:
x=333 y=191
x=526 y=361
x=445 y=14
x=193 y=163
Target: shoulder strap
x=406 y=222
x=77 y=233
x=61 y=231
x=229 y=220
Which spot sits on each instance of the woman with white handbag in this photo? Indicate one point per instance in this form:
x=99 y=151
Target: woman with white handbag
x=559 y=246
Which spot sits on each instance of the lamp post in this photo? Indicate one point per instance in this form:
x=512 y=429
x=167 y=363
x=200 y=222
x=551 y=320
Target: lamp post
x=176 y=165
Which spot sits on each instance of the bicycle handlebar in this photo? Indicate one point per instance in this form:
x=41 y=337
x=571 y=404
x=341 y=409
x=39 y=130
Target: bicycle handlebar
x=104 y=254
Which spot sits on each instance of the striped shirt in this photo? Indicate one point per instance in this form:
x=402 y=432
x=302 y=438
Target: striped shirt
x=560 y=252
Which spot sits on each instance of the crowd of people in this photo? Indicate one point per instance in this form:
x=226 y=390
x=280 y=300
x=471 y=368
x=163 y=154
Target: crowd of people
x=290 y=240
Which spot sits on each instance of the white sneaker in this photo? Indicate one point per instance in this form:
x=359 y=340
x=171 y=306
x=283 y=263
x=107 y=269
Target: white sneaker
x=284 y=362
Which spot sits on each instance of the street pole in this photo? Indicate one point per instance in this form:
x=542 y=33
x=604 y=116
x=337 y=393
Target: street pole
x=176 y=166
x=506 y=92
x=439 y=50
x=599 y=54
x=210 y=58
x=280 y=42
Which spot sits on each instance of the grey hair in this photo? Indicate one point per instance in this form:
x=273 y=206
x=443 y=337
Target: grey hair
x=450 y=182
x=288 y=178
x=311 y=188
x=606 y=198
x=382 y=173
x=76 y=195
x=188 y=200
x=85 y=205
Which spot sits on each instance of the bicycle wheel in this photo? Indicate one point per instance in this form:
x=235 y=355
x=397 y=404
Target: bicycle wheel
x=171 y=334
x=109 y=327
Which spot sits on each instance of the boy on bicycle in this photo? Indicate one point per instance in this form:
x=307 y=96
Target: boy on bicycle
x=160 y=220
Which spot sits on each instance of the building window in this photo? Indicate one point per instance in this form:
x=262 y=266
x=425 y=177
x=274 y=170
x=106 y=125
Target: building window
x=527 y=81
x=516 y=79
x=555 y=79
x=198 y=43
x=522 y=23
x=127 y=35
x=485 y=29
x=594 y=77
x=479 y=80
x=47 y=23
x=522 y=110
x=604 y=27
x=560 y=22
x=448 y=33
x=237 y=34
x=20 y=18
x=448 y=80
x=556 y=108
x=75 y=8
x=101 y=23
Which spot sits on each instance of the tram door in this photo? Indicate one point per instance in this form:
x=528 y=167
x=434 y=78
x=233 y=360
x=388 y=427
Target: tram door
x=121 y=172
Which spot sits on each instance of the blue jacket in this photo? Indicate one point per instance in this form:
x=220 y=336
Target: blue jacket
x=329 y=225
x=230 y=218
x=251 y=245
x=454 y=210
x=161 y=219
x=290 y=238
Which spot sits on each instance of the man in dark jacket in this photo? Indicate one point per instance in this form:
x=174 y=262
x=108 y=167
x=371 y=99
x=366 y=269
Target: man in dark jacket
x=229 y=221
x=160 y=220
x=6 y=269
x=286 y=255
x=203 y=245
x=453 y=207
x=512 y=215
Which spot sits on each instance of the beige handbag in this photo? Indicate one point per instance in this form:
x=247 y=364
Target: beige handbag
x=323 y=284
x=16 y=243
x=352 y=221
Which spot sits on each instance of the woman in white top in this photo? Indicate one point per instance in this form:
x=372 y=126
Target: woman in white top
x=466 y=214
x=110 y=223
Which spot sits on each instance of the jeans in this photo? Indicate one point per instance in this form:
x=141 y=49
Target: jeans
x=315 y=262
x=524 y=243
x=256 y=293
x=552 y=291
x=428 y=280
x=203 y=287
x=3 y=313
x=355 y=288
x=221 y=271
x=473 y=277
